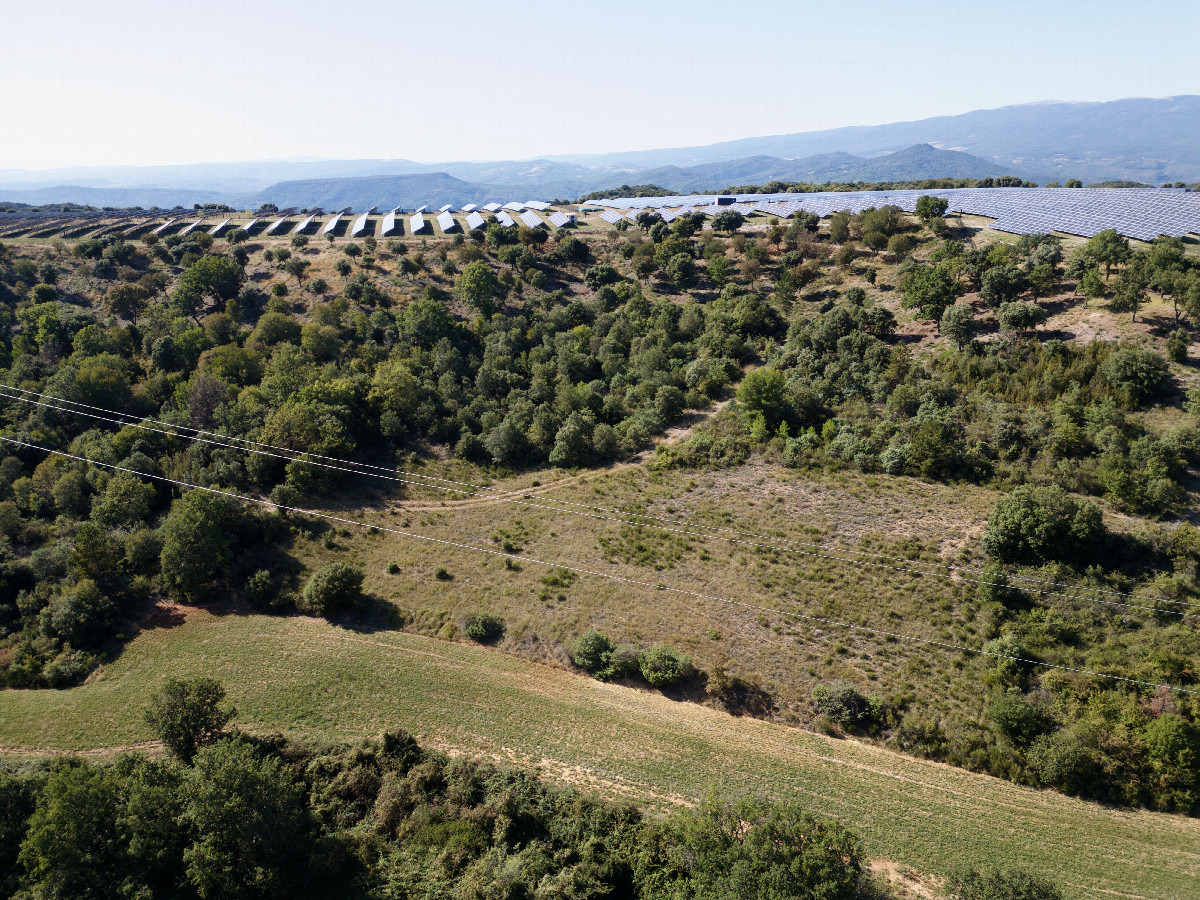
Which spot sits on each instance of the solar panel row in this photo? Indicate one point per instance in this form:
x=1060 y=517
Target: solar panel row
x=1141 y=213
x=505 y=219
x=474 y=220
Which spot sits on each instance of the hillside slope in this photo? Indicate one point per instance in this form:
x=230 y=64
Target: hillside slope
x=317 y=681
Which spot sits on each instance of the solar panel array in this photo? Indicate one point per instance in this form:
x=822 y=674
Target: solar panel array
x=538 y=205
x=216 y=229
x=505 y=219
x=304 y=223
x=474 y=220
x=514 y=206
x=491 y=207
x=193 y=226
x=446 y=222
x=249 y=225
x=1140 y=213
x=561 y=219
x=530 y=218
x=329 y=226
x=389 y=222
x=416 y=223
x=360 y=224
x=611 y=216
x=469 y=208
x=165 y=225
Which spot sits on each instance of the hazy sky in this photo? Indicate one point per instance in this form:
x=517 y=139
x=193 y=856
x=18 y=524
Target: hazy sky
x=140 y=82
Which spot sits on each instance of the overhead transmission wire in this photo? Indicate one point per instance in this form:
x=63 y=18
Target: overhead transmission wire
x=518 y=498
x=579 y=570
x=394 y=471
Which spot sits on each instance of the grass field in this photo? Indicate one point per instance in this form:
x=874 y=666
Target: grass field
x=317 y=682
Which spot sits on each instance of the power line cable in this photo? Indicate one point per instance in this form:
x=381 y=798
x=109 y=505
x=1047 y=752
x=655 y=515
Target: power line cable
x=611 y=577
x=524 y=501
x=511 y=497
x=392 y=472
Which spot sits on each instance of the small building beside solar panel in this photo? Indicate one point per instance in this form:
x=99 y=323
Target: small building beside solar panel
x=562 y=219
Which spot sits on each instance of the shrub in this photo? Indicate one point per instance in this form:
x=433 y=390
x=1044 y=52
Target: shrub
x=484 y=628
x=1060 y=761
x=1043 y=524
x=1017 y=719
x=187 y=715
x=842 y=704
x=1002 y=884
x=592 y=651
x=663 y=666
x=333 y=588
x=1135 y=374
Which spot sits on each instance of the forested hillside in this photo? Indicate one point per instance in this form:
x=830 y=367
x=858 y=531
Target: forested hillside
x=1053 y=375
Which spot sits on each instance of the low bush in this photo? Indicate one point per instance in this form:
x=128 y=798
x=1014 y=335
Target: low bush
x=484 y=628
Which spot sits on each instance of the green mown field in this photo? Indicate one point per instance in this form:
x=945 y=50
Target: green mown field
x=317 y=682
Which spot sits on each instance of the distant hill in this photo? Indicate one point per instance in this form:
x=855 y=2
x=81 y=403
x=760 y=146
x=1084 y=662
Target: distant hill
x=1142 y=140
x=406 y=191
x=916 y=162
x=1137 y=139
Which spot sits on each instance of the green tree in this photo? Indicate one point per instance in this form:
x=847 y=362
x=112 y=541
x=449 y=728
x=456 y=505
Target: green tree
x=199 y=541
x=931 y=207
x=1091 y=285
x=929 y=289
x=958 y=323
x=74 y=847
x=763 y=392
x=1043 y=524
x=126 y=501
x=1002 y=284
x=1109 y=249
x=187 y=715
x=334 y=588
x=246 y=816
x=218 y=277
x=478 y=285
x=728 y=220
x=592 y=651
x=126 y=300
x=1020 y=316
x=681 y=271
x=1135 y=374
x=296 y=267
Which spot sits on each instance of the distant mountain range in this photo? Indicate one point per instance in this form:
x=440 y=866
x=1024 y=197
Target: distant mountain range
x=1151 y=141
